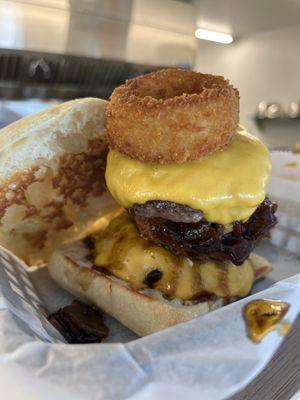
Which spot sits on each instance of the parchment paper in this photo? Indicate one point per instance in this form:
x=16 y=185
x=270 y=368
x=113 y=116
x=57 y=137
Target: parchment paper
x=207 y=358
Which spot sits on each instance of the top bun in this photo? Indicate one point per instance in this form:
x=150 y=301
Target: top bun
x=52 y=167
x=172 y=115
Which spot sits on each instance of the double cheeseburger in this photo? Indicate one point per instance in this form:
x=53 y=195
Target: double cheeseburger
x=190 y=205
x=192 y=187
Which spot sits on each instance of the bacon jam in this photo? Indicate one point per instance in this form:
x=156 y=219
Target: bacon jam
x=79 y=323
x=203 y=240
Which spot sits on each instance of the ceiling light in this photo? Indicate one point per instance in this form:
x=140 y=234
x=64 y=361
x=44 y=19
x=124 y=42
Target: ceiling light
x=213 y=36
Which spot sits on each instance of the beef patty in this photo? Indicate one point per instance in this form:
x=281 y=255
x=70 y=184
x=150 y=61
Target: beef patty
x=168 y=210
x=185 y=232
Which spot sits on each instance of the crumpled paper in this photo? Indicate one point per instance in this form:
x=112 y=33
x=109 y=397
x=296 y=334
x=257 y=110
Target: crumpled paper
x=210 y=356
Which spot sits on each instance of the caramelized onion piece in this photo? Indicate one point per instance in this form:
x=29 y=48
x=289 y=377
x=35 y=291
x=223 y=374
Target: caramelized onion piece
x=79 y=323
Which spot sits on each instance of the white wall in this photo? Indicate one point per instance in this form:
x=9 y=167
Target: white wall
x=263 y=66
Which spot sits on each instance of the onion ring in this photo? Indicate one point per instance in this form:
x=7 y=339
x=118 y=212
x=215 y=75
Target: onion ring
x=172 y=115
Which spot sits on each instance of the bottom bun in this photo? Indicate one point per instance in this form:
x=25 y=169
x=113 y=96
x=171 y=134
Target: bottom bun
x=143 y=312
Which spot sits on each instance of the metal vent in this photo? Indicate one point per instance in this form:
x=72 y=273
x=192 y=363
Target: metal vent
x=32 y=74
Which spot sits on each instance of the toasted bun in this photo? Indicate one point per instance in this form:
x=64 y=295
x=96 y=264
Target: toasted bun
x=143 y=313
x=52 y=183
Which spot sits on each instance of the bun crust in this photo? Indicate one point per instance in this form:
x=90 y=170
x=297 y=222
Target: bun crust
x=142 y=313
x=52 y=167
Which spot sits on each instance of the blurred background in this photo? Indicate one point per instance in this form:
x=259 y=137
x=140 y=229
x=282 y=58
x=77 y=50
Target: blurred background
x=54 y=50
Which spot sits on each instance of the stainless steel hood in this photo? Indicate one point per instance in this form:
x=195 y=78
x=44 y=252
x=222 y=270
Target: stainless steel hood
x=151 y=32
x=28 y=74
x=74 y=48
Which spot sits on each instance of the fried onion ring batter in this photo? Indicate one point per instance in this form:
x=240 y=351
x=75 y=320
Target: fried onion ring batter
x=172 y=115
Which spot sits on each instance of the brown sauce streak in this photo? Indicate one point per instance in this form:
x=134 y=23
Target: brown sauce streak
x=223 y=280
x=198 y=284
x=176 y=275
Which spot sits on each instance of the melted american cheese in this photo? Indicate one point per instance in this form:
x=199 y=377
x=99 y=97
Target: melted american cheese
x=226 y=186
x=124 y=253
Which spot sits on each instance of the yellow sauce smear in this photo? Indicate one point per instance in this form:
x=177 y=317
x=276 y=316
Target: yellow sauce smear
x=262 y=316
x=226 y=186
x=290 y=165
x=121 y=251
x=297 y=147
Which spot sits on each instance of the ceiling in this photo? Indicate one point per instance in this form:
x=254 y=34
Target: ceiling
x=245 y=17
x=238 y=17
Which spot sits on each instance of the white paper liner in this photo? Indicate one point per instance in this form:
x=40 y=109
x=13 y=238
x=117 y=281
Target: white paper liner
x=210 y=355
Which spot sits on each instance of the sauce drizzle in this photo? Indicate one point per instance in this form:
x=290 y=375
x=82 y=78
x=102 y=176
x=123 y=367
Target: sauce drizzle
x=262 y=316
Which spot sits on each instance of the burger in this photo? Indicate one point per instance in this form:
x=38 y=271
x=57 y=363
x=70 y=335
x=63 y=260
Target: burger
x=162 y=208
